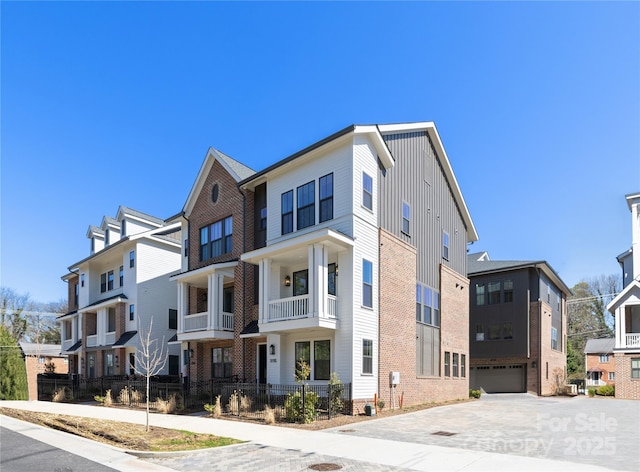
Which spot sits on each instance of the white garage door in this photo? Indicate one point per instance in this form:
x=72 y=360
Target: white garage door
x=498 y=378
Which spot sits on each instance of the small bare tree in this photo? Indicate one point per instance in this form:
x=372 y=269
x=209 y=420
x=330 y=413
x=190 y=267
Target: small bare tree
x=150 y=358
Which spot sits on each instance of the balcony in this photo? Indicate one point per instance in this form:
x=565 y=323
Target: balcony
x=596 y=383
x=632 y=340
x=67 y=343
x=92 y=340
x=294 y=313
x=202 y=322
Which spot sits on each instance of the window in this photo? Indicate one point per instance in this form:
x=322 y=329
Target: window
x=455 y=364
x=215 y=193
x=447 y=362
x=479 y=332
x=173 y=318
x=507 y=331
x=121 y=276
x=82 y=280
x=494 y=293
x=604 y=358
x=463 y=365
x=427 y=305
x=321 y=360
x=107 y=235
x=216 y=239
x=445 y=245
x=286 y=210
x=326 y=198
x=428 y=358
x=367 y=283
x=508 y=291
x=406 y=218
x=612 y=376
x=111 y=320
x=494 y=332
x=132 y=312
x=103 y=282
x=186 y=247
x=110 y=280
x=303 y=354
x=331 y=276
x=108 y=363
x=132 y=259
x=76 y=294
x=123 y=228
x=300 y=282
x=306 y=205
x=554 y=338
x=367 y=356
x=263 y=219
x=221 y=362
x=635 y=368
x=367 y=191
x=480 y=294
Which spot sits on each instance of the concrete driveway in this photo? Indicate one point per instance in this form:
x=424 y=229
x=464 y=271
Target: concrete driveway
x=597 y=431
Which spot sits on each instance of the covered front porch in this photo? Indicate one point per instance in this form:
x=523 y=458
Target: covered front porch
x=206 y=302
x=299 y=284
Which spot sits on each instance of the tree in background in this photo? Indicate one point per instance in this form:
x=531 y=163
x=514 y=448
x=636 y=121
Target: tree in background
x=12 y=316
x=30 y=321
x=13 y=373
x=587 y=318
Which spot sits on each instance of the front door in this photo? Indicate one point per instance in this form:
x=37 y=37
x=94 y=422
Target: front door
x=91 y=365
x=262 y=363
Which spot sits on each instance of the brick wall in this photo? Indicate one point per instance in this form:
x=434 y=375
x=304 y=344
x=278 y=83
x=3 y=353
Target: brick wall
x=35 y=367
x=397 y=343
x=626 y=387
x=72 y=283
x=593 y=362
x=551 y=362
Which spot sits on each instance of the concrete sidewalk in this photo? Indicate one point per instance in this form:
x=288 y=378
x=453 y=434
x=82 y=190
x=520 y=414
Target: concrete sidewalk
x=283 y=444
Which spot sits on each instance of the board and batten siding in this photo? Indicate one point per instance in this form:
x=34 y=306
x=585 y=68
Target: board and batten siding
x=418 y=179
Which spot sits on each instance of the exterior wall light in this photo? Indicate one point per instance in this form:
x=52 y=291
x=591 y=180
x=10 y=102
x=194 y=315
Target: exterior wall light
x=272 y=350
x=287 y=281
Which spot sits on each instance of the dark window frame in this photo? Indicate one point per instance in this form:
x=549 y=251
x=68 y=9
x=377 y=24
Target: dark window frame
x=367 y=356
x=325 y=198
x=306 y=205
x=367 y=283
x=286 y=211
x=367 y=191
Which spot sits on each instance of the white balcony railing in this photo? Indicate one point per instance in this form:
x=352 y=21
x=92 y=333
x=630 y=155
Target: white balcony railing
x=596 y=383
x=110 y=338
x=196 y=322
x=298 y=307
x=200 y=322
x=66 y=344
x=92 y=340
x=632 y=339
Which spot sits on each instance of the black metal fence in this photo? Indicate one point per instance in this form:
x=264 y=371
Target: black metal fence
x=294 y=403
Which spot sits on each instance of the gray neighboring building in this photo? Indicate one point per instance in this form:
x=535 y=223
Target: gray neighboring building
x=517 y=325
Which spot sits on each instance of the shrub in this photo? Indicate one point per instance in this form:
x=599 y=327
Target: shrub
x=214 y=410
x=336 y=389
x=63 y=394
x=591 y=391
x=606 y=390
x=238 y=403
x=105 y=400
x=380 y=404
x=269 y=415
x=296 y=411
x=127 y=396
x=475 y=393
x=166 y=406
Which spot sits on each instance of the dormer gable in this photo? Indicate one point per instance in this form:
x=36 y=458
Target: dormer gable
x=111 y=230
x=133 y=222
x=96 y=236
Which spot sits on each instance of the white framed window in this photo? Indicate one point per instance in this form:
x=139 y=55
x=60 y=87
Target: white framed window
x=445 y=245
x=132 y=312
x=367 y=283
x=367 y=356
x=612 y=376
x=132 y=259
x=554 y=338
x=367 y=191
x=406 y=218
x=604 y=358
x=319 y=359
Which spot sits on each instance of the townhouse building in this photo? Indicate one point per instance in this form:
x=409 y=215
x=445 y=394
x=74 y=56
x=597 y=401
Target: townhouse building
x=626 y=309
x=349 y=254
x=517 y=326
x=599 y=362
x=122 y=287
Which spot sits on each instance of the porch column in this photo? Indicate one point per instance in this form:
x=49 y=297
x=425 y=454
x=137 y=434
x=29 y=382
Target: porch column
x=183 y=304
x=264 y=271
x=214 y=285
x=623 y=325
x=318 y=260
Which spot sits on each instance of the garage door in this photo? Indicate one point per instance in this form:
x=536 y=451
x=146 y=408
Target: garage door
x=498 y=378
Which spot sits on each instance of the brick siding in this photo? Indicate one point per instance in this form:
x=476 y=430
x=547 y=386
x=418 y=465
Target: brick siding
x=626 y=387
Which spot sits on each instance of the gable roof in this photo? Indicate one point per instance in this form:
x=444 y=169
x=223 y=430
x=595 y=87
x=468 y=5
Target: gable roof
x=236 y=169
x=477 y=267
x=599 y=346
x=126 y=211
x=626 y=293
x=35 y=349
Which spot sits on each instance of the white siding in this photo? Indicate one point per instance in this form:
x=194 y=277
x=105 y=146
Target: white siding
x=337 y=161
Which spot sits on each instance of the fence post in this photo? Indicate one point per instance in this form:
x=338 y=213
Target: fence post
x=329 y=399
x=304 y=403
x=238 y=396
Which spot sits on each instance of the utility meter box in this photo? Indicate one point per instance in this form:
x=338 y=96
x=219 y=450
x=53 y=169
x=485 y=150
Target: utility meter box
x=394 y=378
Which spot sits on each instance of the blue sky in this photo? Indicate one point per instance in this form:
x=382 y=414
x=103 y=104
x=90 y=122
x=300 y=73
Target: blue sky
x=116 y=103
